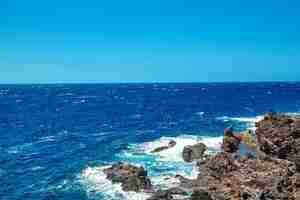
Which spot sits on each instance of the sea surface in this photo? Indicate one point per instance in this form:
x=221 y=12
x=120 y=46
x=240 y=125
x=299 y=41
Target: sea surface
x=56 y=139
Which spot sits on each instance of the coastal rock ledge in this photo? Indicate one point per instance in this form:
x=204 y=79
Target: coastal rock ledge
x=131 y=177
x=271 y=174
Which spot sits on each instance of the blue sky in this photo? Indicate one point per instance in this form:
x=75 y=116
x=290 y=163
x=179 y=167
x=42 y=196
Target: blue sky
x=149 y=41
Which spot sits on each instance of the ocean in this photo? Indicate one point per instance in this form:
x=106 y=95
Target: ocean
x=56 y=139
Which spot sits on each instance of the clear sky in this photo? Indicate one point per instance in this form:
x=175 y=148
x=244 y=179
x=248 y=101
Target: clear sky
x=149 y=41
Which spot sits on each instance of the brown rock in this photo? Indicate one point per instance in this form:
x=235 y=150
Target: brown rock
x=132 y=178
x=193 y=152
x=171 y=144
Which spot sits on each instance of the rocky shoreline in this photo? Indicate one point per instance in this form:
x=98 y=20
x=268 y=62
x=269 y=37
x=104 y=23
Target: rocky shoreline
x=270 y=170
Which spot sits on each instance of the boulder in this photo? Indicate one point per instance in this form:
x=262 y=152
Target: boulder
x=193 y=152
x=131 y=177
x=231 y=142
x=171 y=144
x=169 y=194
x=201 y=195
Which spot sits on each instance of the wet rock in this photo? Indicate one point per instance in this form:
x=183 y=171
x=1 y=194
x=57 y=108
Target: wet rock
x=193 y=152
x=171 y=144
x=170 y=194
x=185 y=182
x=231 y=142
x=201 y=195
x=136 y=184
x=131 y=177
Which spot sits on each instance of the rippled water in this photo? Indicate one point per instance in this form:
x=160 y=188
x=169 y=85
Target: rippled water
x=56 y=139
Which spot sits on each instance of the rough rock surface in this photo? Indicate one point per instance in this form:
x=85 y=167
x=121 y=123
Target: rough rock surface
x=193 y=152
x=171 y=144
x=231 y=142
x=201 y=195
x=131 y=177
x=271 y=175
x=279 y=136
x=170 y=194
x=274 y=174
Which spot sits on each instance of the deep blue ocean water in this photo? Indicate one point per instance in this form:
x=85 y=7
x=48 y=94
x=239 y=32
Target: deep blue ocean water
x=54 y=139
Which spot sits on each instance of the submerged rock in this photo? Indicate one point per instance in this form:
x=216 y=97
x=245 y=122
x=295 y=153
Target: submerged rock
x=131 y=177
x=171 y=144
x=193 y=152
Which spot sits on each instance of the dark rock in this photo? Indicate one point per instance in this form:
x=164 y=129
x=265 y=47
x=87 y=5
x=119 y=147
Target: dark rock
x=136 y=184
x=185 y=182
x=132 y=178
x=193 y=152
x=171 y=144
x=170 y=194
x=231 y=142
x=201 y=195
x=221 y=164
x=279 y=136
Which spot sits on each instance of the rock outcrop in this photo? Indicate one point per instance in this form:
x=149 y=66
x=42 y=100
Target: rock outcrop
x=231 y=142
x=131 y=177
x=171 y=144
x=272 y=175
x=193 y=152
x=279 y=136
x=170 y=194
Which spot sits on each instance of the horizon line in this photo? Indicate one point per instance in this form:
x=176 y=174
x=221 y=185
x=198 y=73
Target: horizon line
x=133 y=82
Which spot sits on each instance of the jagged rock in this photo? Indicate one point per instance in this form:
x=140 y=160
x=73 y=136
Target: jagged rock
x=228 y=175
x=170 y=194
x=201 y=195
x=171 y=144
x=131 y=177
x=231 y=142
x=193 y=152
x=185 y=182
x=279 y=136
x=221 y=164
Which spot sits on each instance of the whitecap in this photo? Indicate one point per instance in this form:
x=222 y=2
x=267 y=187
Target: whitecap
x=94 y=180
x=247 y=119
x=200 y=113
x=250 y=121
x=163 y=166
x=37 y=168
x=174 y=154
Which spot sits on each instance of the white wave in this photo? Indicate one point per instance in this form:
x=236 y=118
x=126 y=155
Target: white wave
x=94 y=180
x=174 y=154
x=250 y=121
x=247 y=119
x=294 y=114
x=200 y=113
x=37 y=168
x=162 y=167
x=21 y=147
x=241 y=119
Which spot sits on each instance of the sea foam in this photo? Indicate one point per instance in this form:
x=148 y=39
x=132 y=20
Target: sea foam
x=95 y=182
x=174 y=154
x=162 y=167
